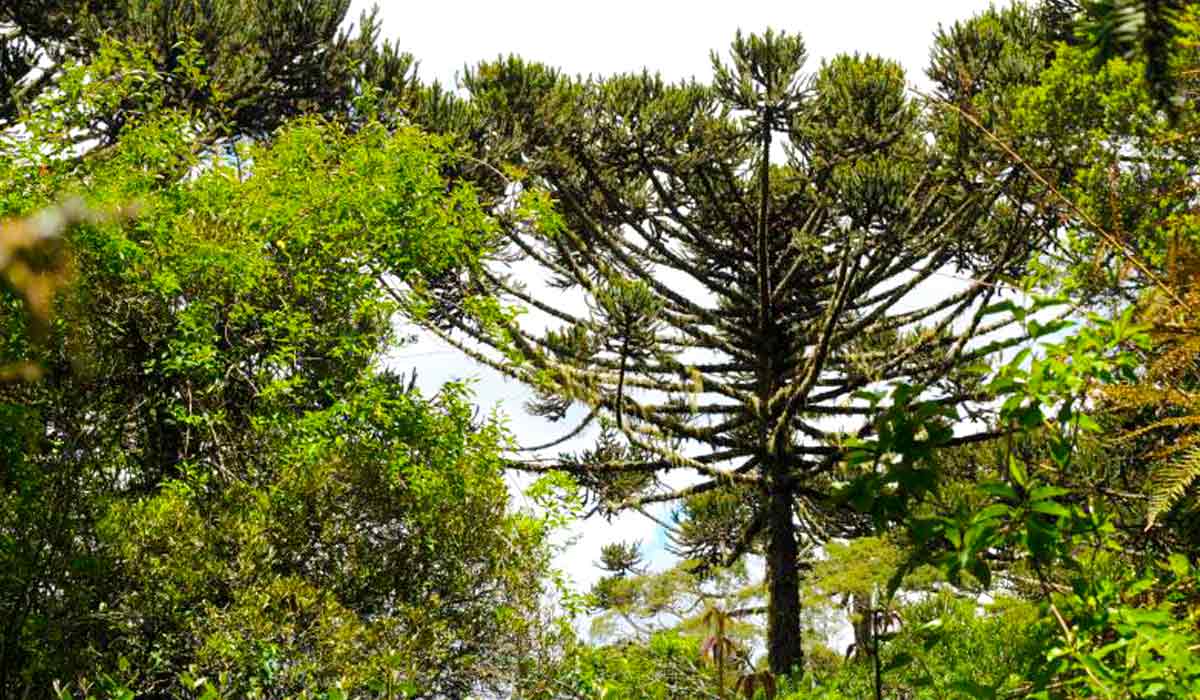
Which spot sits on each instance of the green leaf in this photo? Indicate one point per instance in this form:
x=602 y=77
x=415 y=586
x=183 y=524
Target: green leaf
x=999 y=307
x=982 y=573
x=1042 y=493
x=996 y=510
x=999 y=489
x=1050 y=508
x=1016 y=468
x=974 y=690
x=1179 y=565
x=1039 y=330
x=898 y=661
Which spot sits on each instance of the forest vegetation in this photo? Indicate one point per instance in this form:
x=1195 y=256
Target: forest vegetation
x=908 y=380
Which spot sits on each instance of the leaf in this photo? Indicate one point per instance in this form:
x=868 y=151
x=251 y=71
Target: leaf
x=1088 y=423
x=999 y=307
x=999 y=489
x=1179 y=565
x=1042 y=493
x=996 y=510
x=1050 y=508
x=1039 y=537
x=932 y=632
x=974 y=690
x=979 y=569
x=1017 y=469
x=1039 y=330
x=1170 y=482
x=1096 y=666
x=898 y=661
x=1110 y=648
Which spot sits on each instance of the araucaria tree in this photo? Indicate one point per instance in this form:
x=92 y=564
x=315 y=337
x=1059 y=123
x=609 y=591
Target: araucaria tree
x=261 y=63
x=751 y=255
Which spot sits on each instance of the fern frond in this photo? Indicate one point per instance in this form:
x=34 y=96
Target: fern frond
x=1180 y=358
x=1134 y=396
x=1174 y=422
x=1180 y=444
x=1170 y=482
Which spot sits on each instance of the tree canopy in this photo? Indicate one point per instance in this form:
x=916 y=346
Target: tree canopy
x=930 y=358
x=215 y=483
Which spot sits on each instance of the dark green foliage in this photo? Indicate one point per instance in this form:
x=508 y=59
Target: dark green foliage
x=266 y=62
x=621 y=558
x=735 y=301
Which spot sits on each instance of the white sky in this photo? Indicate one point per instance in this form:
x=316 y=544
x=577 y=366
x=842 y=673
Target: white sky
x=668 y=36
x=673 y=37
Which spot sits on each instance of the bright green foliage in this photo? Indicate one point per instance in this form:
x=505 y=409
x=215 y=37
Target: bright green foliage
x=215 y=476
x=677 y=599
x=1129 y=167
x=946 y=647
x=1122 y=631
x=1149 y=29
x=1115 y=625
x=358 y=557
x=1120 y=164
x=667 y=667
x=1129 y=197
x=1089 y=120
x=1054 y=514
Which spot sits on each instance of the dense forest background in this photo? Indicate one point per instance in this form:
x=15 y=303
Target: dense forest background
x=913 y=367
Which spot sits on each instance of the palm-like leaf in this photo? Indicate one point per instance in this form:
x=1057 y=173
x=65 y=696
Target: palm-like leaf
x=1164 y=405
x=1171 y=481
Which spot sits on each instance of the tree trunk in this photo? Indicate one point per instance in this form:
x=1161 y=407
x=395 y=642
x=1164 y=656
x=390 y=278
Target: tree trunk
x=860 y=614
x=721 y=655
x=783 y=608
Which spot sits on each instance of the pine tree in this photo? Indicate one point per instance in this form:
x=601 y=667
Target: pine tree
x=751 y=255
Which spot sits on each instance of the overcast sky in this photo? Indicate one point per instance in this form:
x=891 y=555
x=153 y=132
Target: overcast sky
x=672 y=37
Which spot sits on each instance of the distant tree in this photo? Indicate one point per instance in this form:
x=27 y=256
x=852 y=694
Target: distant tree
x=264 y=62
x=750 y=256
x=636 y=606
x=621 y=559
x=665 y=667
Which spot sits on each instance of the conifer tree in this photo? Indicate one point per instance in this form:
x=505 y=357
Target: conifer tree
x=264 y=62
x=751 y=255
